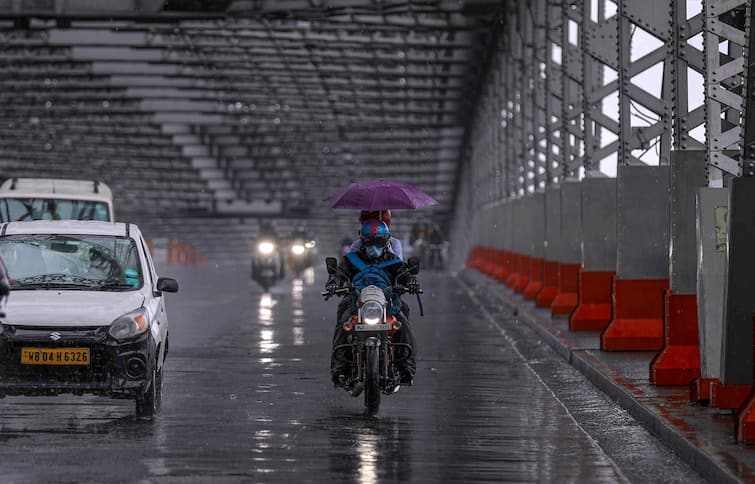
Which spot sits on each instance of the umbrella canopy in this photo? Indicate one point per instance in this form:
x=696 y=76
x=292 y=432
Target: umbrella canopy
x=380 y=195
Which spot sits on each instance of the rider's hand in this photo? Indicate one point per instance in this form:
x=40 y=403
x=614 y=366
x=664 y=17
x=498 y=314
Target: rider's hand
x=331 y=286
x=413 y=285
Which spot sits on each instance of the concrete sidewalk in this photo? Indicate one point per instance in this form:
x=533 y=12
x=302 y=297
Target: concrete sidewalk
x=702 y=437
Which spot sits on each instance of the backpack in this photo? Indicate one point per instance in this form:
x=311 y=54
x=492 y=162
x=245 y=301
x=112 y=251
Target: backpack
x=375 y=275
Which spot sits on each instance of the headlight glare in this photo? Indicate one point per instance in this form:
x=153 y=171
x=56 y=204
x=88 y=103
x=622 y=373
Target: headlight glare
x=129 y=325
x=297 y=249
x=266 y=247
x=372 y=313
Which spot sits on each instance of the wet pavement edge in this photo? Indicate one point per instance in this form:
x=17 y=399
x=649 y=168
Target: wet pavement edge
x=607 y=380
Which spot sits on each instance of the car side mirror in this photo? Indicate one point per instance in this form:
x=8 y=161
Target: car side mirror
x=166 y=284
x=413 y=264
x=331 y=263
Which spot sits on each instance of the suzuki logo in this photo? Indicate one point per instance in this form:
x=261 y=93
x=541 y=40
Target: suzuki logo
x=55 y=336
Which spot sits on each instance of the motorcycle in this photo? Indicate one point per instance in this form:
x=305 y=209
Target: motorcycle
x=300 y=255
x=267 y=267
x=370 y=334
x=437 y=255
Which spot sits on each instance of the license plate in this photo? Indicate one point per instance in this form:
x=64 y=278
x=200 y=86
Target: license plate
x=373 y=327
x=55 y=356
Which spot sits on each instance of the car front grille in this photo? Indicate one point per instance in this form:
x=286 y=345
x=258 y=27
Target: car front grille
x=98 y=370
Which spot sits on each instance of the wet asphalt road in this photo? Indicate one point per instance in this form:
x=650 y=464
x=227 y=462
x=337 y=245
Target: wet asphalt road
x=248 y=399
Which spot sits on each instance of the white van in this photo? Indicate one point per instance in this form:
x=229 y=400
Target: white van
x=26 y=199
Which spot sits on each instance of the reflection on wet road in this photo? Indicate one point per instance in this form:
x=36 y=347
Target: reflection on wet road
x=248 y=398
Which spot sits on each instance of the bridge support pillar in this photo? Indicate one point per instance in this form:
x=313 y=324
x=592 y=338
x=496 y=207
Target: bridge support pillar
x=642 y=259
x=598 y=254
x=549 y=289
x=679 y=362
x=737 y=350
x=536 y=215
x=711 y=233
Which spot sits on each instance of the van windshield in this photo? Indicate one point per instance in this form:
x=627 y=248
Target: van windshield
x=26 y=209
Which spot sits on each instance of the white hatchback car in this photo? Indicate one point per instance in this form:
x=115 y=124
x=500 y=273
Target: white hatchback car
x=85 y=314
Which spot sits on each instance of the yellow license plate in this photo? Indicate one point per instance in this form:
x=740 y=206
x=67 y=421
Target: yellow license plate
x=55 y=356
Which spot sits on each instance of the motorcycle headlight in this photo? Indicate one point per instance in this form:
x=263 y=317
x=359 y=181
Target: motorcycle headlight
x=372 y=313
x=297 y=249
x=311 y=244
x=130 y=325
x=266 y=247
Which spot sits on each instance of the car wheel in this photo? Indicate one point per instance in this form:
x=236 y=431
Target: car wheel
x=149 y=402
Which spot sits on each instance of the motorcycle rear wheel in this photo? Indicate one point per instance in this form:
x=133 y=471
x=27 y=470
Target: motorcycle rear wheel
x=372 y=380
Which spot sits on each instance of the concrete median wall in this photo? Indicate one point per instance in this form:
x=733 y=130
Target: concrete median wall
x=599 y=224
x=643 y=204
x=553 y=224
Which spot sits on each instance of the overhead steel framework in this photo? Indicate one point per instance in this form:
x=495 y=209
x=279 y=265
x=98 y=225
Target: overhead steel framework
x=576 y=88
x=255 y=107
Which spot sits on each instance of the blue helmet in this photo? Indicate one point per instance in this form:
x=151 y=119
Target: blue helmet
x=374 y=236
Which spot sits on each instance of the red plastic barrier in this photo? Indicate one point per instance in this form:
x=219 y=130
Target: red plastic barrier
x=524 y=273
x=504 y=268
x=746 y=420
x=535 y=283
x=473 y=257
x=516 y=264
x=595 y=308
x=568 y=287
x=679 y=362
x=637 y=323
x=180 y=253
x=489 y=265
x=728 y=396
x=550 y=285
x=746 y=415
x=699 y=389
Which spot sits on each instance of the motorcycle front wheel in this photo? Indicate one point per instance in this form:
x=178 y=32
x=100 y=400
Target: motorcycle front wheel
x=372 y=379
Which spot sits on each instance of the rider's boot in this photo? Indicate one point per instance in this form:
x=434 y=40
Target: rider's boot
x=406 y=376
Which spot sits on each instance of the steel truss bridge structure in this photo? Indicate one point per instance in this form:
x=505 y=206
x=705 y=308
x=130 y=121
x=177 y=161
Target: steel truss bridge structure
x=596 y=155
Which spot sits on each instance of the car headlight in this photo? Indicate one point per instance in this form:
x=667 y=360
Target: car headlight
x=297 y=249
x=266 y=247
x=372 y=313
x=130 y=325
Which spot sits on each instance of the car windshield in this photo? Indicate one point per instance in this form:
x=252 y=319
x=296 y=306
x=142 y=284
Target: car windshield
x=92 y=262
x=26 y=209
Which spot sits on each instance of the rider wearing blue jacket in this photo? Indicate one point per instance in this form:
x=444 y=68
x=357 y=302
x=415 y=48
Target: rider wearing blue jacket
x=356 y=268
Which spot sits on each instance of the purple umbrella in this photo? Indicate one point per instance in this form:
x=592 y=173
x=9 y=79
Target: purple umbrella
x=380 y=195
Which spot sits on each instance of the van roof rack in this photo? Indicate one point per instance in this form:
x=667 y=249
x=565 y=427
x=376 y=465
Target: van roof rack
x=13 y=182
x=96 y=186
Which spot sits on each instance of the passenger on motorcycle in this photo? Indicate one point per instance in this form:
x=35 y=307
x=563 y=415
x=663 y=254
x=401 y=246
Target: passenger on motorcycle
x=394 y=244
x=374 y=257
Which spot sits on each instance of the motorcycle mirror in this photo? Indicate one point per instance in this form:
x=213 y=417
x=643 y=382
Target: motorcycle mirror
x=413 y=263
x=331 y=263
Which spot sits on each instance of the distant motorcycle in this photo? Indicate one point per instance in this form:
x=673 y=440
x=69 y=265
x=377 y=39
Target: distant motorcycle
x=267 y=263
x=436 y=255
x=370 y=340
x=300 y=255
